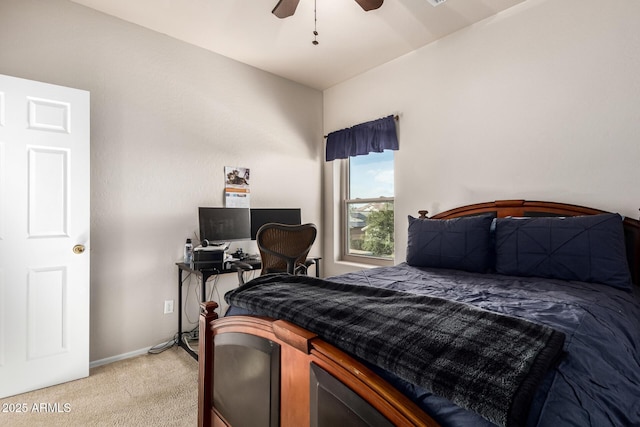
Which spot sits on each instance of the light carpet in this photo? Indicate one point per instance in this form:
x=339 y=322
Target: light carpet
x=153 y=389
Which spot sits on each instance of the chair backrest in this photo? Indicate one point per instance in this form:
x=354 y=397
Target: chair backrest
x=283 y=247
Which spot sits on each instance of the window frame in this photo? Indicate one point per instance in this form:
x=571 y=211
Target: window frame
x=344 y=220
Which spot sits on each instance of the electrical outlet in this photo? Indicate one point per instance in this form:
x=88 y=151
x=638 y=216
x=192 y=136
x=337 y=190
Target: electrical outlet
x=168 y=306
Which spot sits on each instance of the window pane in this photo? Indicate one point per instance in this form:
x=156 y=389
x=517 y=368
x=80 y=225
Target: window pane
x=370 y=229
x=371 y=176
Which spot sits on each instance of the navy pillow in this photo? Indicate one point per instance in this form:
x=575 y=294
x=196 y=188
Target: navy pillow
x=585 y=248
x=459 y=243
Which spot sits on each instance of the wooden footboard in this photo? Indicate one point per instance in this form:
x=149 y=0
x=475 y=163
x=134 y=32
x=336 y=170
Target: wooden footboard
x=264 y=372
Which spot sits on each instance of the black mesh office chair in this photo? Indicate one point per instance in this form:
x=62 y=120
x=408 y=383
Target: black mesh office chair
x=284 y=248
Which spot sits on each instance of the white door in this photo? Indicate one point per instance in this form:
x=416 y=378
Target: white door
x=44 y=214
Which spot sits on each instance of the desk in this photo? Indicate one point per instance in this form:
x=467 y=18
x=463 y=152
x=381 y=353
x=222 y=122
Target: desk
x=203 y=270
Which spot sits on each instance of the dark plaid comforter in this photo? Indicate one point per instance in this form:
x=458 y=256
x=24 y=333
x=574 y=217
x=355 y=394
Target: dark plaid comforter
x=481 y=360
x=597 y=382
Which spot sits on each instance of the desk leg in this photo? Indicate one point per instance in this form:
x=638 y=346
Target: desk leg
x=179 y=306
x=203 y=289
x=180 y=342
x=317 y=261
x=203 y=297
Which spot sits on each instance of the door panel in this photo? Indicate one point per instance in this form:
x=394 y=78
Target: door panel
x=49 y=115
x=47 y=312
x=48 y=192
x=44 y=213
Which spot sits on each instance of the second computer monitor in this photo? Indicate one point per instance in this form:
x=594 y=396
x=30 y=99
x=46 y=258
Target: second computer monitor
x=261 y=216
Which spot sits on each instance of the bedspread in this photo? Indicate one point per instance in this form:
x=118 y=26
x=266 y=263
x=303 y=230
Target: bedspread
x=598 y=381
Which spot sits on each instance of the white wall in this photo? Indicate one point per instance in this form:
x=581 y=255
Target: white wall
x=541 y=102
x=166 y=117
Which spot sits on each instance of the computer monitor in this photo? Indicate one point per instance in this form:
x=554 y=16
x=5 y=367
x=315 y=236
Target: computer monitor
x=224 y=224
x=261 y=216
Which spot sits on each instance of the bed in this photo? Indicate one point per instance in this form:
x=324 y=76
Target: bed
x=510 y=313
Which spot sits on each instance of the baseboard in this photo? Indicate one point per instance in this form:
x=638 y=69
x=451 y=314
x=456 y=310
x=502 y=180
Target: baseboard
x=118 y=357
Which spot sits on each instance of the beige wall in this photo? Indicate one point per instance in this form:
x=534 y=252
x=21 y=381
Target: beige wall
x=540 y=102
x=166 y=117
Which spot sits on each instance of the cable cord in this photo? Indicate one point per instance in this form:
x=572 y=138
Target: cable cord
x=186 y=301
x=186 y=342
x=157 y=349
x=214 y=286
x=186 y=298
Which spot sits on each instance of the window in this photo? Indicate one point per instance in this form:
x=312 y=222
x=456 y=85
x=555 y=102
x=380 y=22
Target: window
x=368 y=207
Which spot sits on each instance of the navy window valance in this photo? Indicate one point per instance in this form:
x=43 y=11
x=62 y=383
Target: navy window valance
x=375 y=136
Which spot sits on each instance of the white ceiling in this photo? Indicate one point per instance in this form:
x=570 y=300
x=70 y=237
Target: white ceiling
x=351 y=40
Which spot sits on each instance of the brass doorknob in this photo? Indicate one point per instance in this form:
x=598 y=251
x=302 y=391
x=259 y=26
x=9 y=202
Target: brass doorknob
x=78 y=249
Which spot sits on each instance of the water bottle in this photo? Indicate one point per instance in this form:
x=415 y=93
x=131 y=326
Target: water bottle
x=188 y=252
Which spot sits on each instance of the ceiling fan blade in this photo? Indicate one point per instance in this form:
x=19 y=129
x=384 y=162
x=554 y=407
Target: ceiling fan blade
x=370 y=4
x=285 y=8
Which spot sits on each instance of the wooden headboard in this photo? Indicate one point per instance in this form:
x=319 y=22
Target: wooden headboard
x=504 y=208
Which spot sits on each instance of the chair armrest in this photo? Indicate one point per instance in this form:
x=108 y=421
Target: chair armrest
x=241 y=267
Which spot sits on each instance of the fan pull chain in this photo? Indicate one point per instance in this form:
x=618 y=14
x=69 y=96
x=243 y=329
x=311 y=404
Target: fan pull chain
x=315 y=25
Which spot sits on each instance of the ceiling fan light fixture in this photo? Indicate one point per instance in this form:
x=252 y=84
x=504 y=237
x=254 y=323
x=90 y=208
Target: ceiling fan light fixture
x=435 y=3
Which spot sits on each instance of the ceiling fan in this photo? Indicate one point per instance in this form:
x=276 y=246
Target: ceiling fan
x=286 y=8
